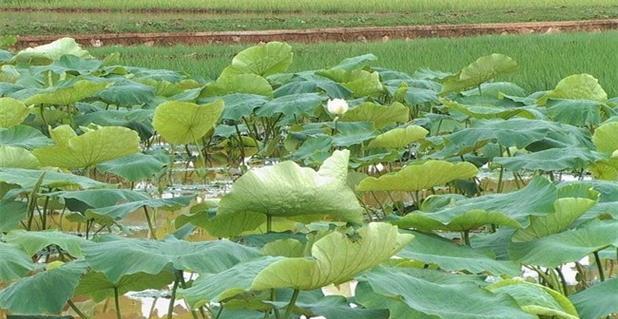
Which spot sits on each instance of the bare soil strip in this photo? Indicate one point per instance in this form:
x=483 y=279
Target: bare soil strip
x=328 y=34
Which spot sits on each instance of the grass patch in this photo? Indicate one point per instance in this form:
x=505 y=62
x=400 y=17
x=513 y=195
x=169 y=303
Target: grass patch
x=543 y=59
x=38 y=23
x=309 y=6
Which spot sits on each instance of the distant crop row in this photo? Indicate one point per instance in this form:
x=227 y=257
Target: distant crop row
x=314 y=5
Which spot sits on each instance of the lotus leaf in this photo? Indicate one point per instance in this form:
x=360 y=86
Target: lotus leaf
x=67 y=93
x=399 y=137
x=264 y=59
x=88 y=149
x=183 y=122
x=536 y=299
x=17 y=157
x=14 y=263
x=567 y=246
x=419 y=176
x=566 y=212
x=53 y=51
x=465 y=299
x=604 y=137
x=122 y=257
x=12 y=112
x=483 y=69
x=288 y=190
x=579 y=87
x=33 y=242
x=31 y=295
x=432 y=249
x=597 y=301
x=380 y=115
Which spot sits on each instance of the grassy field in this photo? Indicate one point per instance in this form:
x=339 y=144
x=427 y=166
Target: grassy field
x=543 y=59
x=310 y=6
x=38 y=23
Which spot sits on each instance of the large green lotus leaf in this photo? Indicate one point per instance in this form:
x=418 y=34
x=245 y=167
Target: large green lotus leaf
x=312 y=83
x=118 y=258
x=12 y=112
x=23 y=136
x=491 y=112
x=127 y=93
x=53 y=51
x=32 y=242
x=27 y=178
x=566 y=212
x=462 y=300
x=97 y=286
x=14 y=263
x=342 y=71
x=304 y=104
x=11 y=213
x=432 y=249
x=67 y=93
x=231 y=81
x=137 y=167
x=553 y=159
x=508 y=209
x=380 y=115
x=225 y=284
x=583 y=113
x=597 y=301
x=17 y=157
x=536 y=299
x=107 y=206
x=184 y=122
x=288 y=190
x=399 y=137
x=238 y=105
x=419 y=176
x=579 y=87
x=567 y=246
x=44 y=293
x=335 y=259
x=604 y=137
x=264 y=59
x=517 y=132
x=482 y=70
x=364 y=83
x=91 y=148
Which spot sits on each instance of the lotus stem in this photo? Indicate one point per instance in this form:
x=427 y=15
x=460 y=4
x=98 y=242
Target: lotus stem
x=288 y=311
x=565 y=286
x=466 y=237
x=117 y=303
x=269 y=223
x=170 y=308
x=150 y=225
x=77 y=311
x=597 y=259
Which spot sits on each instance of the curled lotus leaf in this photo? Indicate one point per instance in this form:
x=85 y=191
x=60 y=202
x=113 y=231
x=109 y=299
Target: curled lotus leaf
x=286 y=190
x=420 y=176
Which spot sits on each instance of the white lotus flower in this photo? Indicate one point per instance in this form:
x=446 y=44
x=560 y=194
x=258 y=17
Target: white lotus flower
x=337 y=106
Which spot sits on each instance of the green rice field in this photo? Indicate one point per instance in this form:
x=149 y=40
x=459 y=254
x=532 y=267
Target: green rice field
x=543 y=59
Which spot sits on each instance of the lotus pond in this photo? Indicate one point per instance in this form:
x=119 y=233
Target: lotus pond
x=352 y=191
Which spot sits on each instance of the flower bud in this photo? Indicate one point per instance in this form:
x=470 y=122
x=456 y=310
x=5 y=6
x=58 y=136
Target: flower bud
x=337 y=106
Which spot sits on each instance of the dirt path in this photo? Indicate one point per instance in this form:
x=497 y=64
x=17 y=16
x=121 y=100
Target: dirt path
x=328 y=34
